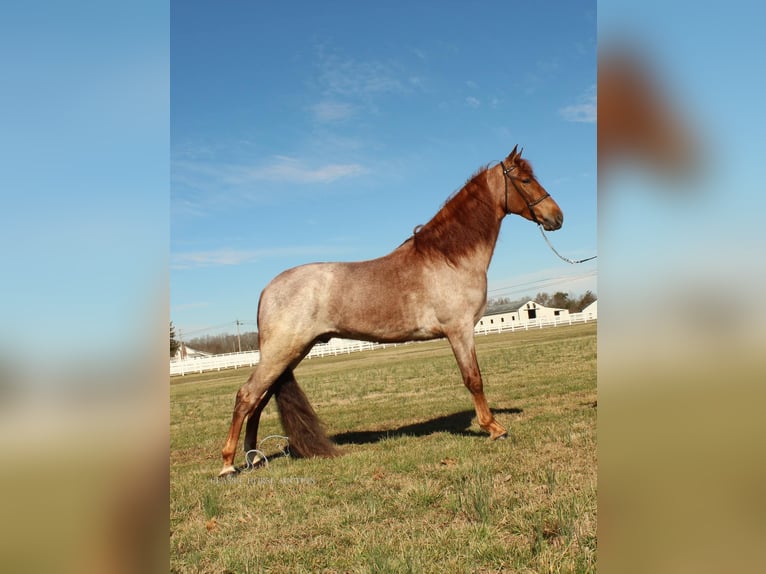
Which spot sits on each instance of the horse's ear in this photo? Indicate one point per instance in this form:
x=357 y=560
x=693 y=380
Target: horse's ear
x=513 y=153
x=521 y=151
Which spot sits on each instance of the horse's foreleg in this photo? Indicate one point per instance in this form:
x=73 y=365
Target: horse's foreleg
x=465 y=352
x=249 y=400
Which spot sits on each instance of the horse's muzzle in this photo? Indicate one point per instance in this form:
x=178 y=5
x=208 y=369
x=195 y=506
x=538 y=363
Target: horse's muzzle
x=553 y=221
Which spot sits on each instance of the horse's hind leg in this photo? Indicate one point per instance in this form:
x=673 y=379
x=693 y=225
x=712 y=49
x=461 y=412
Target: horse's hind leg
x=251 y=429
x=251 y=398
x=465 y=352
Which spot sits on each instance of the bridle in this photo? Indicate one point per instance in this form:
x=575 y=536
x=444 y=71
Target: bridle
x=530 y=204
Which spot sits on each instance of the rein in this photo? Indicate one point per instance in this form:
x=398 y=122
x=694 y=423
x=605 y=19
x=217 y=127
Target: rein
x=530 y=204
x=540 y=227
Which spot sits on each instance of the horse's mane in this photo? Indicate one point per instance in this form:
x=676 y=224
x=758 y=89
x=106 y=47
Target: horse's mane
x=467 y=219
x=524 y=167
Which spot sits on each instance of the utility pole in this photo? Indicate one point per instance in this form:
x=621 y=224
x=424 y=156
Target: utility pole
x=182 y=346
x=239 y=342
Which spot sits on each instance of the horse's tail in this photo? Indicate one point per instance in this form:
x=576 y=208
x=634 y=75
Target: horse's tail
x=305 y=432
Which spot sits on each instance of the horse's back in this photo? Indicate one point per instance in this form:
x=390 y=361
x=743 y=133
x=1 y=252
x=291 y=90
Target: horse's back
x=390 y=299
x=317 y=287
x=364 y=299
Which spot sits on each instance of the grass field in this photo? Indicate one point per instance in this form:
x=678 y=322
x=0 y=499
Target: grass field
x=420 y=488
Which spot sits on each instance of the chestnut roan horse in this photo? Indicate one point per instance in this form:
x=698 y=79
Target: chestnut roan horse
x=433 y=285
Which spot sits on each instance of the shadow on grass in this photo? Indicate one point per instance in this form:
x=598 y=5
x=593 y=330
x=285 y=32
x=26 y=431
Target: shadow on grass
x=456 y=423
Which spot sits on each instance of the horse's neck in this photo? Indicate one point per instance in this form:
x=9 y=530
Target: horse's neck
x=462 y=233
x=480 y=261
x=484 y=251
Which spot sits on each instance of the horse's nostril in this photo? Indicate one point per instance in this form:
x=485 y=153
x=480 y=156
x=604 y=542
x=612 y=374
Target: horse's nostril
x=556 y=221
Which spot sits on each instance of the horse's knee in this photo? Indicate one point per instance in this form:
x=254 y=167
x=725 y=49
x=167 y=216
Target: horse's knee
x=474 y=386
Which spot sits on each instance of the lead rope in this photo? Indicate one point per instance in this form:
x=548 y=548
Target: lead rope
x=540 y=227
x=259 y=457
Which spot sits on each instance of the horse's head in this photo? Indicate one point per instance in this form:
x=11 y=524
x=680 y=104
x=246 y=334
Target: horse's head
x=525 y=196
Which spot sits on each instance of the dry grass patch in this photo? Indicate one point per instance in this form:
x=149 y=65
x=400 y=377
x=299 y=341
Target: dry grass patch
x=420 y=488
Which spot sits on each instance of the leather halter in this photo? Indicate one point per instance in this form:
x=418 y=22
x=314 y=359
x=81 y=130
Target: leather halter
x=530 y=204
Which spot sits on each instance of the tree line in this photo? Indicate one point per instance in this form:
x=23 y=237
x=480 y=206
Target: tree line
x=559 y=300
x=228 y=343
x=216 y=344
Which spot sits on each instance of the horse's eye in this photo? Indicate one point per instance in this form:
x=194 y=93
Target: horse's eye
x=526 y=180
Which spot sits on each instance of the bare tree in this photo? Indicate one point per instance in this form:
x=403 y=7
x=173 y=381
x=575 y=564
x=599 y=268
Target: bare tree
x=587 y=298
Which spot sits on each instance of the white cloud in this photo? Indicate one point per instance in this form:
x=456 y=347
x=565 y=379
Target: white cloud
x=584 y=111
x=211 y=258
x=420 y=54
x=281 y=169
x=292 y=170
x=347 y=77
x=330 y=111
x=227 y=256
x=472 y=102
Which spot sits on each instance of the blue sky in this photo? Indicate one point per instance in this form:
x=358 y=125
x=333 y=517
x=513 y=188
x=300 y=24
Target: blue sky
x=327 y=132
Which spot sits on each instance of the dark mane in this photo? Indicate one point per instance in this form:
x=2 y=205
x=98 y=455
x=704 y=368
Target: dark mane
x=467 y=219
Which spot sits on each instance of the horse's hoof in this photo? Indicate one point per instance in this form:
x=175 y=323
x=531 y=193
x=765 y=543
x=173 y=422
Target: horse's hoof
x=228 y=472
x=501 y=437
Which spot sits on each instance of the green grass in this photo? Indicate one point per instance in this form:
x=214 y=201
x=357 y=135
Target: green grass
x=420 y=487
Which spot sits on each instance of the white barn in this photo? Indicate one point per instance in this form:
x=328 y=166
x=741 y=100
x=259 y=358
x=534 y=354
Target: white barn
x=529 y=311
x=591 y=311
x=186 y=352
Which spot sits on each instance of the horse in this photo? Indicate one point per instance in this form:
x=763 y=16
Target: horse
x=433 y=285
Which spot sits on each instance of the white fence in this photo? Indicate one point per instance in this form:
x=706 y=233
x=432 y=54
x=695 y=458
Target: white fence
x=345 y=346
x=555 y=321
